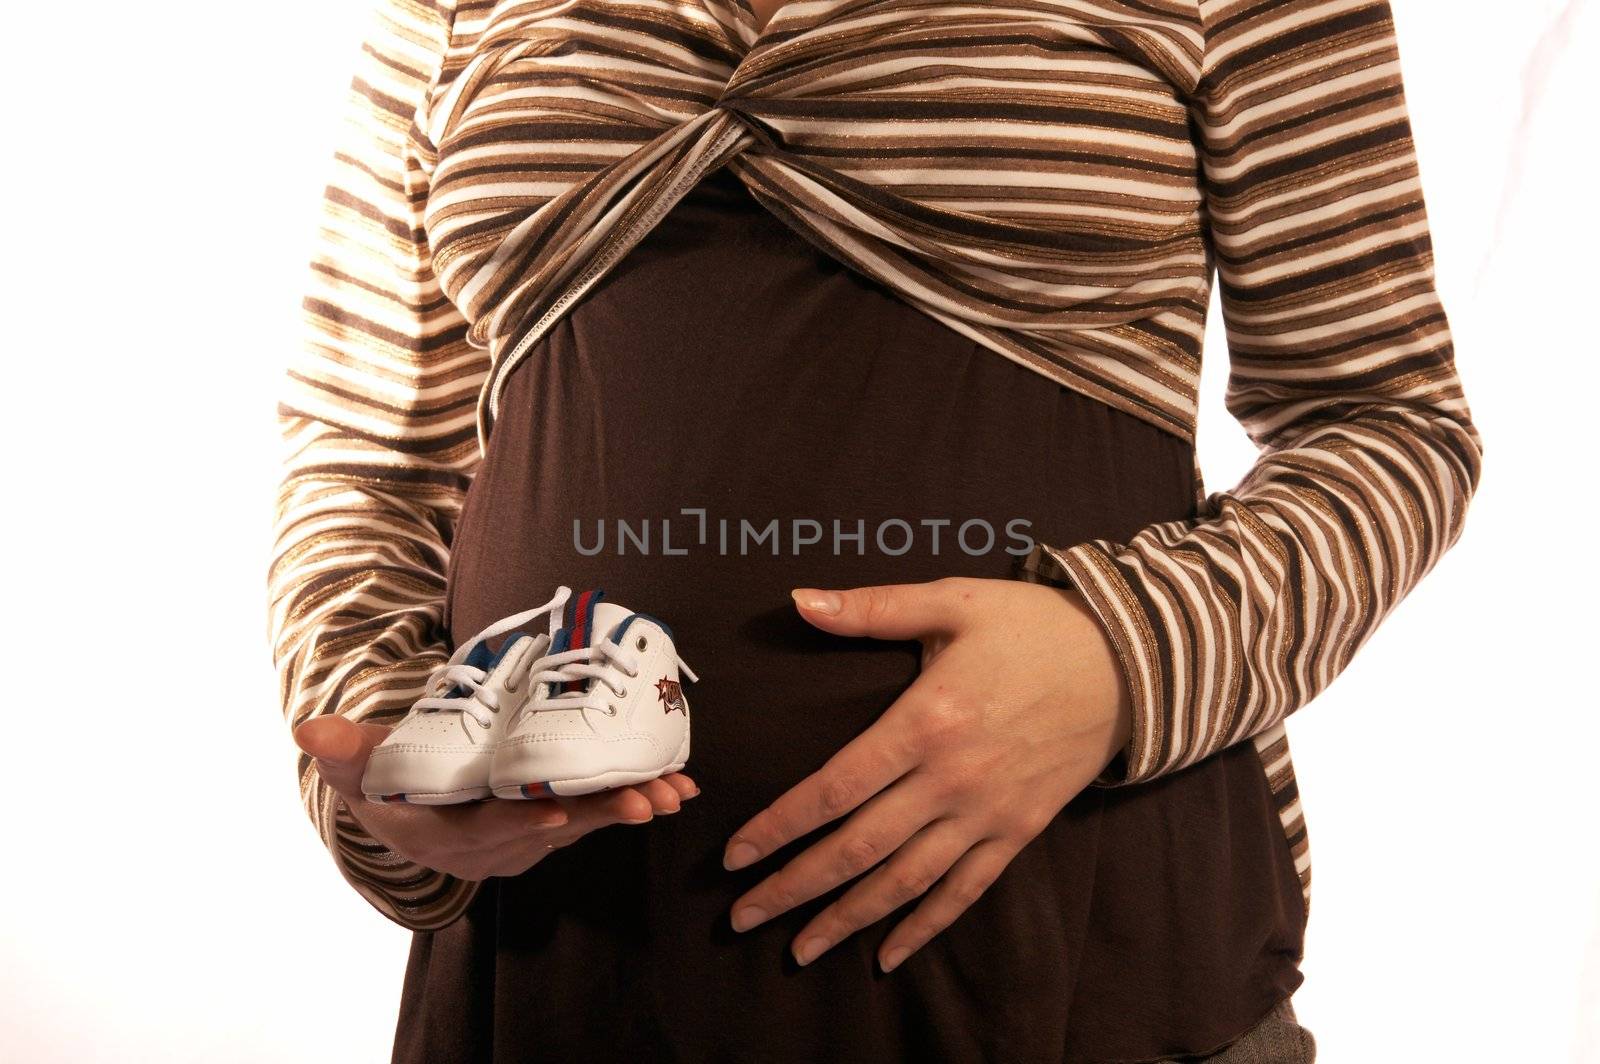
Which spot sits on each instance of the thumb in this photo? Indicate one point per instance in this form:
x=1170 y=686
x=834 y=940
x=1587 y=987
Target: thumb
x=340 y=748
x=887 y=611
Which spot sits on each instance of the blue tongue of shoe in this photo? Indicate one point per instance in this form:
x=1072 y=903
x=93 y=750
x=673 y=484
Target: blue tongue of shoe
x=580 y=621
x=481 y=657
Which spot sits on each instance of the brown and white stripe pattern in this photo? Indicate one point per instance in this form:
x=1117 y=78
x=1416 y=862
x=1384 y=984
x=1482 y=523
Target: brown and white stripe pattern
x=377 y=419
x=1054 y=178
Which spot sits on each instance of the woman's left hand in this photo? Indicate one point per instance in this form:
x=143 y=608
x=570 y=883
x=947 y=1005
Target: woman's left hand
x=1019 y=705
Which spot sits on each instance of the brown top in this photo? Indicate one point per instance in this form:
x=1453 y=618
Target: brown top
x=1059 y=181
x=729 y=365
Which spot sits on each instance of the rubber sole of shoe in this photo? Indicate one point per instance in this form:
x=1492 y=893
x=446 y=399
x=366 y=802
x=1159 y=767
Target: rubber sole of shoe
x=604 y=781
x=473 y=794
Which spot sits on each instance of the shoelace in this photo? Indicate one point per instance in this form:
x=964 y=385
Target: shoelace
x=603 y=661
x=457 y=673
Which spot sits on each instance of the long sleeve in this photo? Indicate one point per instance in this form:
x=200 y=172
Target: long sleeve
x=377 y=417
x=1341 y=371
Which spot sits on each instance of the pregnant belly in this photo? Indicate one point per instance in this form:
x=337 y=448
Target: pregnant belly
x=820 y=432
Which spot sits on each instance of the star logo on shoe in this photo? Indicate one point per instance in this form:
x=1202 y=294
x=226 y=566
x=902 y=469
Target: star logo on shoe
x=671 y=693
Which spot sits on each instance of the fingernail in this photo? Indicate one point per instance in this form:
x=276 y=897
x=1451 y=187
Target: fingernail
x=810 y=950
x=694 y=793
x=738 y=855
x=748 y=917
x=639 y=820
x=818 y=601
x=892 y=959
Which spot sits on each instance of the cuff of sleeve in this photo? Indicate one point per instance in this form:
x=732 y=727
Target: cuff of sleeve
x=1091 y=569
x=412 y=895
x=409 y=894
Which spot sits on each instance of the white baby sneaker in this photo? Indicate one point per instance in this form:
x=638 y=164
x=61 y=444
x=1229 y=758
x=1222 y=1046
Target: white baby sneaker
x=606 y=710
x=440 y=753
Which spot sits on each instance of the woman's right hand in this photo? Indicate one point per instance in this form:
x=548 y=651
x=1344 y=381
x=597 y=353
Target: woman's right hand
x=502 y=837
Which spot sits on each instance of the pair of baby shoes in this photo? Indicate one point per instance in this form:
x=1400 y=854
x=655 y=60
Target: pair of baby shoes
x=593 y=703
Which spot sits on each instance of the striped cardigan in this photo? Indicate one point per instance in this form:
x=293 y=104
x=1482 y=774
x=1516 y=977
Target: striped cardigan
x=1057 y=179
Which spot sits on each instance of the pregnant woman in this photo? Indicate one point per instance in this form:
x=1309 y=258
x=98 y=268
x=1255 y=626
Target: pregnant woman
x=859 y=340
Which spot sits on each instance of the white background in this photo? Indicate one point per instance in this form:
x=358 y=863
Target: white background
x=164 y=896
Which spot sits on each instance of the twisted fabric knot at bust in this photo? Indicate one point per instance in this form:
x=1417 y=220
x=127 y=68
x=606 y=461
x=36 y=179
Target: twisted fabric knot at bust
x=1059 y=228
